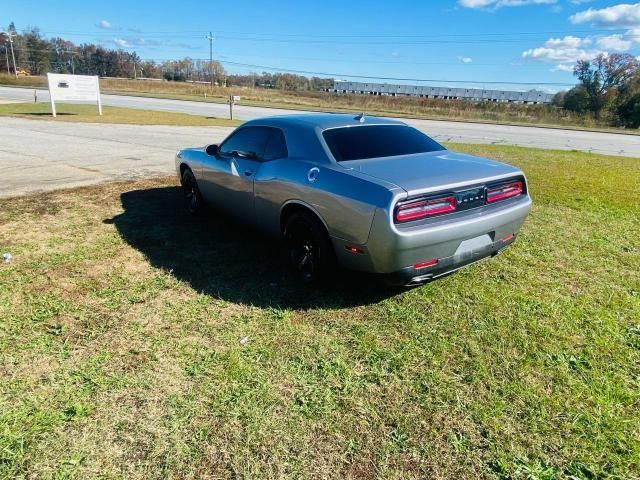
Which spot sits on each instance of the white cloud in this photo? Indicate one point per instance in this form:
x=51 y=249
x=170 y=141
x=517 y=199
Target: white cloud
x=104 y=24
x=563 y=67
x=633 y=35
x=617 y=16
x=559 y=55
x=614 y=42
x=502 y=3
x=567 y=42
x=466 y=60
x=138 y=42
x=564 y=52
x=122 y=43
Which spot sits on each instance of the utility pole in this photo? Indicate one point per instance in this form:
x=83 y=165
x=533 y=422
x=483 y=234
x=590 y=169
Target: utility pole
x=210 y=38
x=135 y=74
x=10 y=36
x=73 y=66
x=12 y=55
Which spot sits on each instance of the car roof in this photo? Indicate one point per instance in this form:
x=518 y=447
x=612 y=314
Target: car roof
x=323 y=120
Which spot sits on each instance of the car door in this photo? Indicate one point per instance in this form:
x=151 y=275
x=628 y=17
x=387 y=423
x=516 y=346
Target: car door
x=228 y=177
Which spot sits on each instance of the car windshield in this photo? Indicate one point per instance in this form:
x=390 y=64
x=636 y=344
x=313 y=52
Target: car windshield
x=374 y=141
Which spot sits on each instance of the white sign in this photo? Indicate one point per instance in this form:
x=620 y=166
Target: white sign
x=236 y=98
x=73 y=88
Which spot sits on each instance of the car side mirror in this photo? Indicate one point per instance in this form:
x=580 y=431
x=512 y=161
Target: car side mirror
x=212 y=150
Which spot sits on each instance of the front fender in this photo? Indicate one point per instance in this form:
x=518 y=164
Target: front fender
x=194 y=158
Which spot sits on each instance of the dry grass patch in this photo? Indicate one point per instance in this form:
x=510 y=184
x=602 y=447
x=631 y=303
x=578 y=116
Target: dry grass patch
x=438 y=109
x=89 y=114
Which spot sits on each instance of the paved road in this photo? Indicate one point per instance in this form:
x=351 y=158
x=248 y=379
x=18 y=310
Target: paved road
x=37 y=155
x=608 y=143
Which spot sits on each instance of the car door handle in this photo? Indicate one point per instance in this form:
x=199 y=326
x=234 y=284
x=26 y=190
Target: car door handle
x=248 y=173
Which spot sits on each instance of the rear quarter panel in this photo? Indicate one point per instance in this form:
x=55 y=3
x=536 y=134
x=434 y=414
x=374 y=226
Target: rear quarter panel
x=345 y=203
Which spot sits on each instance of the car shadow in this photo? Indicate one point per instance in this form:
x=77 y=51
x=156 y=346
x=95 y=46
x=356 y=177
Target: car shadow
x=220 y=258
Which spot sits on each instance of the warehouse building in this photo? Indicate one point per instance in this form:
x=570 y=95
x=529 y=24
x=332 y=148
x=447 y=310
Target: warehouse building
x=360 y=88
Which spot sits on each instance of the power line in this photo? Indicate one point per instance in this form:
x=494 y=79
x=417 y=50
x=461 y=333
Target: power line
x=383 y=62
x=78 y=51
x=399 y=42
x=333 y=74
x=320 y=39
x=373 y=77
x=198 y=33
x=379 y=42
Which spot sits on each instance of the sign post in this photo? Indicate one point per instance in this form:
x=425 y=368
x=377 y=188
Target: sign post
x=74 y=88
x=99 y=98
x=233 y=99
x=53 y=102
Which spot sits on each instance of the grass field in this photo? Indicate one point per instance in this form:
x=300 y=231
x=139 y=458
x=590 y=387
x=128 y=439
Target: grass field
x=539 y=115
x=137 y=342
x=89 y=113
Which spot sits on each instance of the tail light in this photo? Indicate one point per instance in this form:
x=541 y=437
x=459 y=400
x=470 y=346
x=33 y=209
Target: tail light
x=460 y=200
x=428 y=263
x=504 y=191
x=354 y=250
x=417 y=209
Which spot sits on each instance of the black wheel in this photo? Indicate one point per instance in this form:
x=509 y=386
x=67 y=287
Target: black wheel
x=193 y=201
x=308 y=248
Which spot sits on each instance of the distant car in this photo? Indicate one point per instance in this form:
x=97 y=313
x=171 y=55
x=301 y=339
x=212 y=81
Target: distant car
x=371 y=194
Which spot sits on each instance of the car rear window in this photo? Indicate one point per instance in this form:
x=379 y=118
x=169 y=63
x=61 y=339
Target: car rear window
x=373 y=141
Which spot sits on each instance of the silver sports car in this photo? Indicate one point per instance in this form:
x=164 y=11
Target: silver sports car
x=369 y=194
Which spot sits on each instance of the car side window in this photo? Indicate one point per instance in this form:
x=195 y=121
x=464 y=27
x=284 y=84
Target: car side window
x=247 y=142
x=276 y=145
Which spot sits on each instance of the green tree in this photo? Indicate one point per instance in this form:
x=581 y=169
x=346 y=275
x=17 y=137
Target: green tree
x=558 y=99
x=628 y=106
x=577 y=100
x=628 y=111
x=601 y=77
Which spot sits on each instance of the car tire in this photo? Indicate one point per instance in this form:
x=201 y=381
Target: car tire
x=193 y=201
x=308 y=248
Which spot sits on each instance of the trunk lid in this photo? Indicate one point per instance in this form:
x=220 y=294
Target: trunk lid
x=433 y=171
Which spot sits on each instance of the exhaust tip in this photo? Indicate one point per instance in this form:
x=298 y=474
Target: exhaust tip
x=417 y=281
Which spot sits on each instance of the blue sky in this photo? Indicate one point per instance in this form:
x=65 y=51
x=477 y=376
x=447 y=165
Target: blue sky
x=533 y=41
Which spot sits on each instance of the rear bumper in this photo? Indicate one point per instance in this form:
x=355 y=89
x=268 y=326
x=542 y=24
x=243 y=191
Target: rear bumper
x=411 y=276
x=392 y=250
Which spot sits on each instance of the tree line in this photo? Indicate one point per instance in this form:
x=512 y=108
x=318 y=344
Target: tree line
x=608 y=89
x=39 y=55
